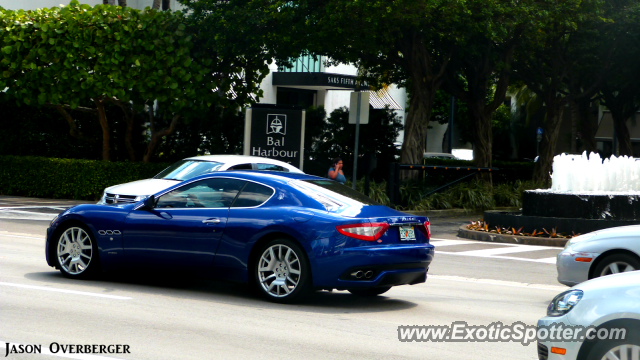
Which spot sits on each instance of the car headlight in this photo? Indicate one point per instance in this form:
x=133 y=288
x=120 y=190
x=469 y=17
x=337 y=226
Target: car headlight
x=54 y=220
x=578 y=239
x=563 y=303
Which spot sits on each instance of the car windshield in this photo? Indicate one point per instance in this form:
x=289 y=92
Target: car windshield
x=187 y=169
x=333 y=194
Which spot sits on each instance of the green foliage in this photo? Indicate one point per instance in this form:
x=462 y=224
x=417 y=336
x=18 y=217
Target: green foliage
x=377 y=191
x=66 y=178
x=472 y=196
x=77 y=54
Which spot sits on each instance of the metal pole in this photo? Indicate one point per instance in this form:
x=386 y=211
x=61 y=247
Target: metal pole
x=452 y=109
x=614 y=142
x=355 y=149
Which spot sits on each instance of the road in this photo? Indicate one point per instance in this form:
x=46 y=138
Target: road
x=179 y=318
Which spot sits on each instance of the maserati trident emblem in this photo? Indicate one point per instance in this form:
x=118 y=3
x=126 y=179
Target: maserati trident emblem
x=277 y=124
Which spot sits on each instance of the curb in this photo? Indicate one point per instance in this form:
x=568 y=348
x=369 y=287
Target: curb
x=455 y=212
x=463 y=232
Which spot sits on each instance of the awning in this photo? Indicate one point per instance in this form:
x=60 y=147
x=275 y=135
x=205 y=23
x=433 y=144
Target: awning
x=605 y=130
x=381 y=98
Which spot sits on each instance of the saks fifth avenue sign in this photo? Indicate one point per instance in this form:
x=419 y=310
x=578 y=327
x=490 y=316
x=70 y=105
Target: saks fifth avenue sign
x=276 y=132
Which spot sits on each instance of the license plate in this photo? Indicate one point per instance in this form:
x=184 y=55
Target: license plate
x=407 y=233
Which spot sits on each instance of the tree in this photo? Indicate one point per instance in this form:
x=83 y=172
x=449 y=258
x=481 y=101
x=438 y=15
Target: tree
x=81 y=57
x=620 y=89
x=407 y=42
x=480 y=69
x=551 y=61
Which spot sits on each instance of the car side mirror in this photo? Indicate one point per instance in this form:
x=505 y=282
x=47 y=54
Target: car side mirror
x=149 y=203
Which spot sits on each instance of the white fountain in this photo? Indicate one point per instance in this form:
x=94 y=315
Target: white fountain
x=579 y=174
x=587 y=193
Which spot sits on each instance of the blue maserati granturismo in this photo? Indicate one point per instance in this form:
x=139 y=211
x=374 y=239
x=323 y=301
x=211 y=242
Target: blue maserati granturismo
x=287 y=233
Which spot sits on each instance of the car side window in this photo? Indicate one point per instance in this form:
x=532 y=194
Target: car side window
x=272 y=167
x=241 y=167
x=252 y=195
x=209 y=193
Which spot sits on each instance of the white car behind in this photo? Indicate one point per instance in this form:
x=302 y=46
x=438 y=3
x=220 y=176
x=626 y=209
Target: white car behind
x=187 y=169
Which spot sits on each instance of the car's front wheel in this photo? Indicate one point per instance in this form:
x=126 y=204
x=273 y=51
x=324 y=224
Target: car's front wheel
x=616 y=263
x=76 y=252
x=282 y=271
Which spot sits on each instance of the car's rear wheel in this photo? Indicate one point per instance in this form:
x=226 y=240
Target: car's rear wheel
x=616 y=263
x=370 y=291
x=76 y=252
x=282 y=271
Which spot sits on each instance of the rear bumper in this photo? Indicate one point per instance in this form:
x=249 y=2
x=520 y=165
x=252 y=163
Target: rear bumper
x=390 y=265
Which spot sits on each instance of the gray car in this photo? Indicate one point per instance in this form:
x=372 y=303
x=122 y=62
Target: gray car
x=599 y=253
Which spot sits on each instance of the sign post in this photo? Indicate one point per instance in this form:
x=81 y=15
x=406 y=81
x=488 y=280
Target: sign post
x=539 y=138
x=275 y=132
x=361 y=116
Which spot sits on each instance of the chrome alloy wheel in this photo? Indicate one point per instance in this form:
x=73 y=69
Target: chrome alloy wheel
x=617 y=267
x=75 y=251
x=279 y=270
x=623 y=352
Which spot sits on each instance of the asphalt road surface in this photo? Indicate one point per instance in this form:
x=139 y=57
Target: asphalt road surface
x=181 y=318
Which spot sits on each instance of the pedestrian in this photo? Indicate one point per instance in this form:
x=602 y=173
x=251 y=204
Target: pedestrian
x=335 y=172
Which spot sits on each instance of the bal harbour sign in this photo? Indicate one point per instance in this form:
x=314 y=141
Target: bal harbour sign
x=276 y=132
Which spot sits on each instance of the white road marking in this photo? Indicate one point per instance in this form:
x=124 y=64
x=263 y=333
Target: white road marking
x=44 y=288
x=502 y=250
x=21 y=236
x=46 y=351
x=444 y=242
x=544 y=261
x=498 y=282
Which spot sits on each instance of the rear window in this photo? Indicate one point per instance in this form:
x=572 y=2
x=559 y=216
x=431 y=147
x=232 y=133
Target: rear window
x=272 y=167
x=327 y=187
x=252 y=195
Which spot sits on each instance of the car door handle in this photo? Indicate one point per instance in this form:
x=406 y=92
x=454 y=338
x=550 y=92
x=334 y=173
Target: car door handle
x=211 y=221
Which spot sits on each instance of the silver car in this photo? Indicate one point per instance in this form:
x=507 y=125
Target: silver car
x=186 y=169
x=596 y=320
x=599 y=253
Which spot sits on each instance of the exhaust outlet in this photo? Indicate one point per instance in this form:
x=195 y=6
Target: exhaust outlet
x=368 y=274
x=359 y=274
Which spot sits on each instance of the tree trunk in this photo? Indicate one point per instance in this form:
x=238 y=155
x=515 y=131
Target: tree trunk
x=622 y=133
x=156 y=136
x=415 y=127
x=166 y=5
x=73 y=127
x=575 y=114
x=102 y=118
x=588 y=125
x=542 y=169
x=156 y=4
x=483 y=139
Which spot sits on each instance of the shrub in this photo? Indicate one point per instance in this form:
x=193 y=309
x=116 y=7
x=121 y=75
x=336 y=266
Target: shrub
x=68 y=178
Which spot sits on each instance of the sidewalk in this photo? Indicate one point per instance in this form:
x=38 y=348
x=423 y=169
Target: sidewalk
x=26 y=208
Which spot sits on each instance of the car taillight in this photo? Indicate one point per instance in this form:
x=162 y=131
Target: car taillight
x=364 y=231
x=425 y=229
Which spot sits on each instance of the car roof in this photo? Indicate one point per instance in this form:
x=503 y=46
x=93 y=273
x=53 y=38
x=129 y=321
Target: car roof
x=231 y=160
x=261 y=175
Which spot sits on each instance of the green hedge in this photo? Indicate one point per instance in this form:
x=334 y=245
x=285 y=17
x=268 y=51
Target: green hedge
x=68 y=178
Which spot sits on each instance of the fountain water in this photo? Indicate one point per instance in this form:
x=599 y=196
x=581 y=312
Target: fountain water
x=587 y=193
x=591 y=175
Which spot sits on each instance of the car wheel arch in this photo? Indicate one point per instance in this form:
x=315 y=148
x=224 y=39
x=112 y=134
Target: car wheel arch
x=606 y=254
x=62 y=226
x=631 y=325
x=260 y=243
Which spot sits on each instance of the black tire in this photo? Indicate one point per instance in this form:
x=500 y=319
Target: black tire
x=597 y=349
x=89 y=261
x=370 y=291
x=615 y=258
x=290 y=287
